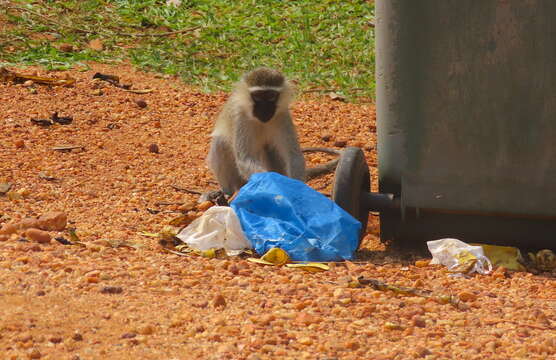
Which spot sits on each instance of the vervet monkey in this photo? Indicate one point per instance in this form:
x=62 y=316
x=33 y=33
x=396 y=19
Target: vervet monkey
x=254 y=132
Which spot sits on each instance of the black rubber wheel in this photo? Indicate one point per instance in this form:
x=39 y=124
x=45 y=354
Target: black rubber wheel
x=351 y=180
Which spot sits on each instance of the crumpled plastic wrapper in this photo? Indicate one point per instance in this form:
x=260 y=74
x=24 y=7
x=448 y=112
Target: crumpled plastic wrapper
x=459 y=257
x=217 y=228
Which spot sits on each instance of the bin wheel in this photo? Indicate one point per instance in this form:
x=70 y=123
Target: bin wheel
x=351 y=181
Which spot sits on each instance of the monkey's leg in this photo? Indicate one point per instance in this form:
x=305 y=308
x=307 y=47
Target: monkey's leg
x=222 y=163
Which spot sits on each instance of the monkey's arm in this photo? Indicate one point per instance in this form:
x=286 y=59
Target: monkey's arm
x=295 y=162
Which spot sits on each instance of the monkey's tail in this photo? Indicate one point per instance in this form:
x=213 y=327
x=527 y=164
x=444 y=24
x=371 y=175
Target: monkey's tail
x=321 y=169
x=322 y=149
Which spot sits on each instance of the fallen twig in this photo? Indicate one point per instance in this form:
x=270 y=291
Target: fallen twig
x=175 y=187
x=67 y=147
x=164 y=203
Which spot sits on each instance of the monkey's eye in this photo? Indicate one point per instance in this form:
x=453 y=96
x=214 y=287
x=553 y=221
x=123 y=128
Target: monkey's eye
x=265 y=95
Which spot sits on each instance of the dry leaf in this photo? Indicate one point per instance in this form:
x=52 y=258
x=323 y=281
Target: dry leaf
x=336 y=96
x=5 y=187
x=149 y=234
x=139 y=91
x=96 y=44
x=7 y=75
x=182 y=220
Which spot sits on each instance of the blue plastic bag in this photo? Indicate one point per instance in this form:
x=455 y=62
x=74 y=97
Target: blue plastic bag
x=277 y=211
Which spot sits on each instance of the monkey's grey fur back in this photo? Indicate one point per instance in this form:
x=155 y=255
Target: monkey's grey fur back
x=242 y=144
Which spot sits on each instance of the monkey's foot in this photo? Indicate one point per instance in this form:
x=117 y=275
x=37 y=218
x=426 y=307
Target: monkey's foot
x=216 y=196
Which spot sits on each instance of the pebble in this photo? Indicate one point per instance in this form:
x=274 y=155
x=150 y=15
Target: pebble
x=93 y=280
x=53 y=221
x=28 y=83
x=306 y=319
x=421 y=263
x=65 y=47
x=55 y=339
x=421 y=352
x=37 y=235
x=111 y=290
x=154 y=148
x=340 y=143
x=34 y=354
x=219 y=301
x=141 y=103
x=351 y=345
x=146 y=330
x=8 y=229
x=28 y=223
x=467 y=296
x=392 y=326
x=418 y=321
x=305 y=341
x=19 y=144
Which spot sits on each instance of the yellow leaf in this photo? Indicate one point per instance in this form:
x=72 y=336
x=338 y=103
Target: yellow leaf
x=276 y=256
x=311 y=267
x=139 y=91
x=260 y=261
x=149 y=234
x=392 y=326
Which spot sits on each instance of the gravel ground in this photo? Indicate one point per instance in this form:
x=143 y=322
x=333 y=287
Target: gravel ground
x=99 y=302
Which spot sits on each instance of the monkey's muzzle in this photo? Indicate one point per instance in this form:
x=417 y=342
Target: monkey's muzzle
x=264 y=106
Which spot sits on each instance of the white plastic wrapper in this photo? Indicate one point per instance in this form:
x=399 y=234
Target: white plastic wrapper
x=218 y=228
x=458 y=256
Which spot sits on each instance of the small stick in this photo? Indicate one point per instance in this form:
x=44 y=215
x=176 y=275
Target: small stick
x=163 y=203
x=175 y=187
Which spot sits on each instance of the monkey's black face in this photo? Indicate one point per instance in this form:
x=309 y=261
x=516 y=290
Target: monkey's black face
x=264 y=103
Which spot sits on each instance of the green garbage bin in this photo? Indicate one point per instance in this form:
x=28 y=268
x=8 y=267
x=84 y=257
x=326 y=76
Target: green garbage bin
x=466 y=119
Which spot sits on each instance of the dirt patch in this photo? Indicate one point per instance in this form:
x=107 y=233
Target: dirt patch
x=96 y=302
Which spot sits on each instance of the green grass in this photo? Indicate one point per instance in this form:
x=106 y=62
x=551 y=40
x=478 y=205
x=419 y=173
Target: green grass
x=319 y=43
